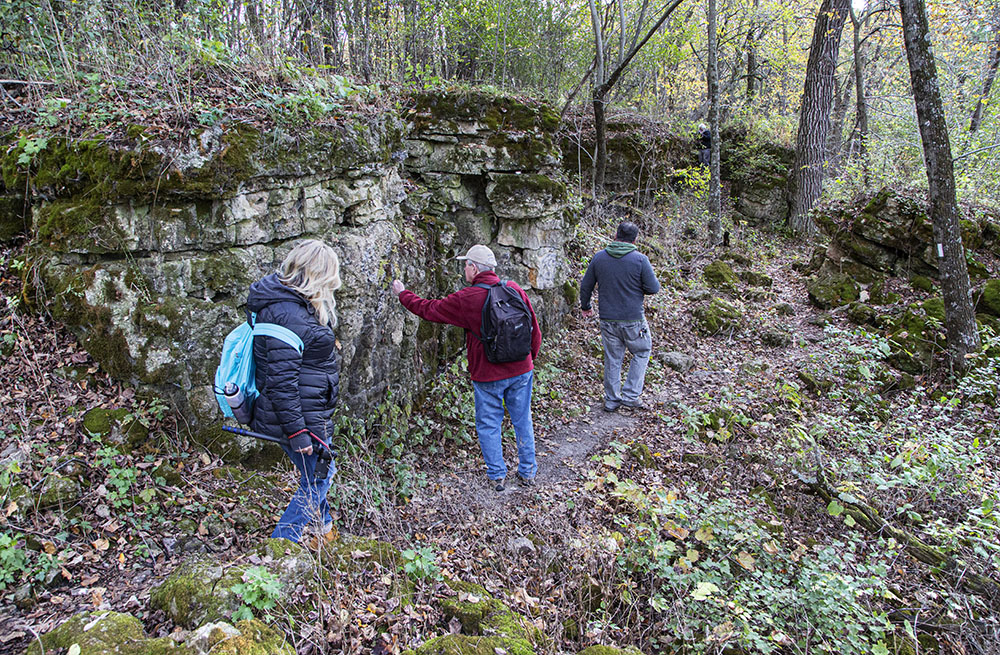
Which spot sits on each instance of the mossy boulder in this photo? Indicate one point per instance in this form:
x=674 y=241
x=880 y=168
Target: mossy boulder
x=776 y=337
x=117 y=426
x=526 y=196
x=717 y=316
x=197 y=592
x=922 y=283
x=755 y=279
x=58 y=491
x=915 y=336
x=609 y=650
x=720 y=275
x=472 y=645
x=250 y=637
x=353 y=553
x=830 y=289
x=96 y=633
x=481 y=614
x=989 y=299
x=861 y=313
x=784 y=309
x=111 y=633
x=815 y=382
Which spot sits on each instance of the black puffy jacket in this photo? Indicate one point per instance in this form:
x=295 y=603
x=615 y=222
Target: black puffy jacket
x=296 y=391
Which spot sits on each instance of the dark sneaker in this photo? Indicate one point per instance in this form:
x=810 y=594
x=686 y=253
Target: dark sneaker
x=611 y=408
x=638 y=404
x=498 y=484
x=525 y=482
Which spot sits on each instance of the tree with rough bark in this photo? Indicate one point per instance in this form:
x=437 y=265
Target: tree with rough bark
x=806 y=180
x=714 y=188
x=605 y=81
x=960 y=321
x=991 y=74
x=860 y=134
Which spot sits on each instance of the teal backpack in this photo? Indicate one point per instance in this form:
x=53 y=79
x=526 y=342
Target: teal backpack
x=235 y=387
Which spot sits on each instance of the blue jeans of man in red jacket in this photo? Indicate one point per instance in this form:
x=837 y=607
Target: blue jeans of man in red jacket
x=495 y=385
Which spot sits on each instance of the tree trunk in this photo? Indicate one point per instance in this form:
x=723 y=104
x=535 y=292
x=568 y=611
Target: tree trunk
x=861 y=128
x=991 y=74
x=752 y=53
x=835 y=138
x=714 y=191
x=806 y=180
x=600 y=147
x=603 y=85
x=960 y=322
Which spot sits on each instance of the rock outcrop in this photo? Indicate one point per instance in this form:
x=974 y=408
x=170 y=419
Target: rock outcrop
x=146 y=249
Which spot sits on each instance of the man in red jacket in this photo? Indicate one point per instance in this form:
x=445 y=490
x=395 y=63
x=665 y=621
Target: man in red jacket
x=495 y=386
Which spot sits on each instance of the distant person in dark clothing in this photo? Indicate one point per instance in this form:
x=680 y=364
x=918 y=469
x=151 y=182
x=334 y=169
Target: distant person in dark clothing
x=705 y=143
x=623 y=277
x=299 y=390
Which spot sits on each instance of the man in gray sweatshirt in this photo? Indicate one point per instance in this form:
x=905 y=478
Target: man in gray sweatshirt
x=623 y=276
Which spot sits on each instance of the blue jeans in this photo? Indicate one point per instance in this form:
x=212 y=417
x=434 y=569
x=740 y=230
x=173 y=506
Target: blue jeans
x=617 y=337
x=309 y=504
x=491 y=397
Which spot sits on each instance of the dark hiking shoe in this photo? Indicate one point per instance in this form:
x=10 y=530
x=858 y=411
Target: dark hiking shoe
x=498 y=484
x=637 y=405
x=525 y=482
x=610 y=408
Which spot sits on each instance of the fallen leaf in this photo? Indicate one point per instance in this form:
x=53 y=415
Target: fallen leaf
x=704 y=590
x=101 y=544
x=745 y=560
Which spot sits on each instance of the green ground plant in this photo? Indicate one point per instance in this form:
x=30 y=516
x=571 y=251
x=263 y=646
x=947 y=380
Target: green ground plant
x=259 y=591
x=420 y=563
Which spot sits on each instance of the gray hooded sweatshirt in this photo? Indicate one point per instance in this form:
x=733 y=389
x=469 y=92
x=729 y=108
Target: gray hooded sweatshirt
x=624 y=276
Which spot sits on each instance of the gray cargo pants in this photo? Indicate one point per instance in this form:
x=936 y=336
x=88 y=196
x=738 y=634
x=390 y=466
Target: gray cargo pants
x=617 y=337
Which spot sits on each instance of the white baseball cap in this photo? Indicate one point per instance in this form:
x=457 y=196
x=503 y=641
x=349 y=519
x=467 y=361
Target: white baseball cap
x=480 y=254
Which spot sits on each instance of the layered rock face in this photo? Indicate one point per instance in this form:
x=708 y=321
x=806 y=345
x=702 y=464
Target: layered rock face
x=146 y=250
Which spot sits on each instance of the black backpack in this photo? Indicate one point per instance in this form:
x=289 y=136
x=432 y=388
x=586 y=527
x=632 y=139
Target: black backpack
x=506 y=328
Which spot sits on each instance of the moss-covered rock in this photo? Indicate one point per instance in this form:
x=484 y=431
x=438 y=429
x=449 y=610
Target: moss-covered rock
x=776 y=337
x=922 y=283
x=717 y=316
x=861 y=313
x=830 y=290
x=755 y=279
x=989 y=299
x=197 y=592
x=720 y=275
x=252 y=638
x=814 y=382
x=609 y=650
x=96 y=633
x=481 y=614
x=915 y=336
x=472 y=645
x=58 y=491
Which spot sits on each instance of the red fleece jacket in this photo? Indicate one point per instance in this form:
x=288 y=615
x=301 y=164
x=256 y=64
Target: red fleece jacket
x=465 y=309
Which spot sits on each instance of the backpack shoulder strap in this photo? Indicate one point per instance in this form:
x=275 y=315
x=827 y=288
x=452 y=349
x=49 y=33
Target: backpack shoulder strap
x=276 y=331
x=486 y=286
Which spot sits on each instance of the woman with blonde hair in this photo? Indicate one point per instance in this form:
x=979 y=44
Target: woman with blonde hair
x=298 y=390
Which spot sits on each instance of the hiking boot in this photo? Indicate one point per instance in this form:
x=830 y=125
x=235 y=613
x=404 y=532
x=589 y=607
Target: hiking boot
x=638 y=404
x=525 y=482
x=610 y=408
x=498 y=484
x=316 y=541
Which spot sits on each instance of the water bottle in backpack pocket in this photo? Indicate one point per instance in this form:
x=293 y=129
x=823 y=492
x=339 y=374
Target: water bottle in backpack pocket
x=235 y=387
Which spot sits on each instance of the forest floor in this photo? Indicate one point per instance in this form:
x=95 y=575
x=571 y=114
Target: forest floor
x=684 y=520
